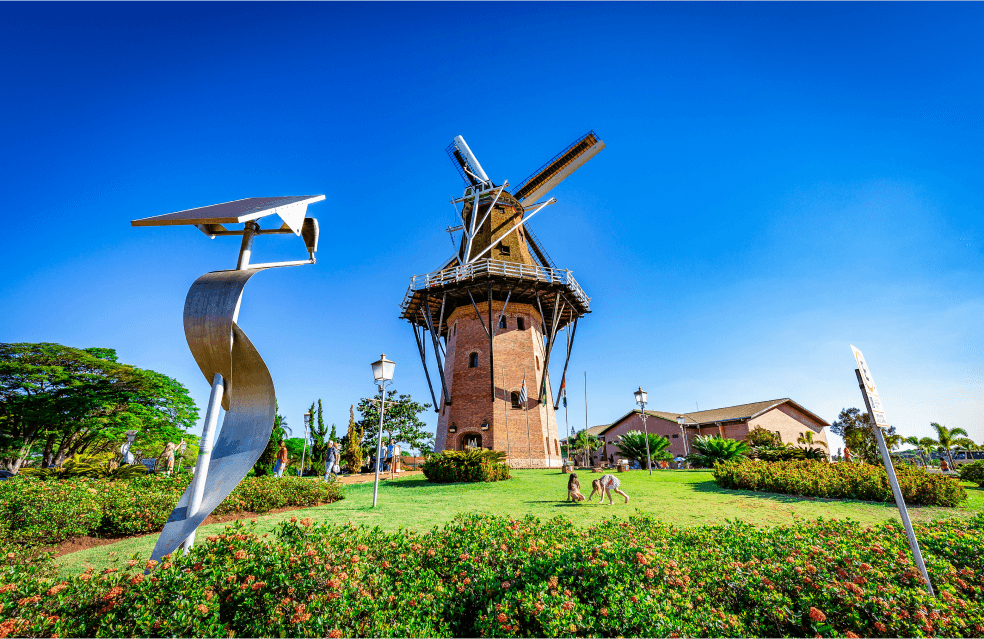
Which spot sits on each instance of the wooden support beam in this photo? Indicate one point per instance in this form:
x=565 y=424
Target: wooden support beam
x=422 y=348
x=437 y=352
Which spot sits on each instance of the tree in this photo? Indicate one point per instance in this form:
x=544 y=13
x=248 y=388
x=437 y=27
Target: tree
x=401 y=421
x=632 y=445
x=319 y=445
x=57 y=402
x=711 y=450
x=758 y=436
x=807 y=440
x=352 y=444
x=924 y=446
x=855 y=427
x=583 y=444
x=946 y=439
x=264 y=465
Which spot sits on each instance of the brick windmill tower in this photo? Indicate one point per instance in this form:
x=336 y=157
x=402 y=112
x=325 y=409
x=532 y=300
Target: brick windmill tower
x=491 y=314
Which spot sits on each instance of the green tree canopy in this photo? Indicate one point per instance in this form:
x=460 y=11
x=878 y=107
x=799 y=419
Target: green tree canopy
x=281 y=432
x=947 y=439
x=401 y=421
x=855 y=427
x=57 y=401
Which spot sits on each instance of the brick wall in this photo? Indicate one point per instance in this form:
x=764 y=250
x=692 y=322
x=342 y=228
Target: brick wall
x=518 y=352
x=790 y=424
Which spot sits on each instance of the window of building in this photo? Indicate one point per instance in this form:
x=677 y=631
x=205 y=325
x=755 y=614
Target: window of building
x=473 y=360
x=454 y=328
x=557 y=448
x=514 y=398
x=537 y=363
x=502 y=322
x=779 y=436
x=675 y=435
x=520 y=323
x=546 y=445
x=503 y=249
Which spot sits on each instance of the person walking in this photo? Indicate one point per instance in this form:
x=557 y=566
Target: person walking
x=331 y=458
x=281 y=464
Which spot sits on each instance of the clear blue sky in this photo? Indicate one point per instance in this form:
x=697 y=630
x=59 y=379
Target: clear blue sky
x=780 y=180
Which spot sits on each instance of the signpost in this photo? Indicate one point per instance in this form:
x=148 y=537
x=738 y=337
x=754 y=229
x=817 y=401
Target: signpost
x=877 y=413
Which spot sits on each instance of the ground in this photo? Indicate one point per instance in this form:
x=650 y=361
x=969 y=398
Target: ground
x=682 y=498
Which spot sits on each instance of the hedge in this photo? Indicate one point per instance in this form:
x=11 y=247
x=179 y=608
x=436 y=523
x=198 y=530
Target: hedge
x=468 y=466
x=840 y=481
x=48 y=512
x=484 y=575
x=973 y=472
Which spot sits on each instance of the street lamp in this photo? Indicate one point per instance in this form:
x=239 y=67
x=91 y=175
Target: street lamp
x=641 y=396
x=683 y=433
x=307 y=421
x=382 y=372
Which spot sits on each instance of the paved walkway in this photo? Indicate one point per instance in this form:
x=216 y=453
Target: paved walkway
x=368 y=478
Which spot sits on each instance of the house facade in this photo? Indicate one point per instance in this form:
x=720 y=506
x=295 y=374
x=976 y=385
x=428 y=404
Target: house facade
x=783 y=417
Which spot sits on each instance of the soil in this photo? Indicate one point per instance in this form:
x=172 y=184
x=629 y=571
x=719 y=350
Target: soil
x=85 y=542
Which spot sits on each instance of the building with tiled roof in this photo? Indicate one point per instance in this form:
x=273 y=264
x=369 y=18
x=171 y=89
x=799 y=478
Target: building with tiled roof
x=784 y=417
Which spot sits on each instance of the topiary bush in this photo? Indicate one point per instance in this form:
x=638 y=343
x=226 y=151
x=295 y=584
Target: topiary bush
x=492 y=576
x=466 y=465
x=973 y=472
x=840 y=481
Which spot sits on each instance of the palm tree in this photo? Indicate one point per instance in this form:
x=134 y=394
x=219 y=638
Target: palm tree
x=923 y=446
x=633 y=446
x=583 y=442
x=946 y=439
x=807 y=439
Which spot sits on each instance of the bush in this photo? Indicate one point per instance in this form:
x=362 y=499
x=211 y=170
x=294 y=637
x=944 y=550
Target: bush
x=483 y=575
x=782 y=452
x=708 y=451
x=973 y=473
x=74 y=468
x=49 y=512
x=466 y=465
x=840 y=481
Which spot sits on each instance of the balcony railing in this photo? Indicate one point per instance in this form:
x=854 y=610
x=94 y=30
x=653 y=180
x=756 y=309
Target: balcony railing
x=496 y=267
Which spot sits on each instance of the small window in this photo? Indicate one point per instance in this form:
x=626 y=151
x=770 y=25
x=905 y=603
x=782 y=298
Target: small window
x=502 y=322
x=537 y=363
x=454 y=328
x=779 y=436
x=514 y=398
x=675 y=435
x=546 y=444
x=503 y=249
x=473 y=360
x=520 y=323
x=557 y=448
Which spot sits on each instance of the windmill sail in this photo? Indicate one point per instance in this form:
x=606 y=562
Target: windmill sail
x=553 y=172
x=465 y=161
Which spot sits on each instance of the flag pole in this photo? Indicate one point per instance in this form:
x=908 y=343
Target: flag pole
x=587 y=461
x=505 y=409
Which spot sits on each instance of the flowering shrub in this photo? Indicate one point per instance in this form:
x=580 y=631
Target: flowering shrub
x=840 y=481
x=483 y=575
x=466 y=465
x=48 y=512
x=973 y=472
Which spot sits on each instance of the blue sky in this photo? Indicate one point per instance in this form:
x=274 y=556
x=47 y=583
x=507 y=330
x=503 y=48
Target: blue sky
x=780 y=180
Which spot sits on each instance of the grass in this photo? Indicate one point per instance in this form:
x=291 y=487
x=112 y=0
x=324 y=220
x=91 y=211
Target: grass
x=681 y=498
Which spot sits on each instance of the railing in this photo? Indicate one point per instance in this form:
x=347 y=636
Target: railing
x=497 y=267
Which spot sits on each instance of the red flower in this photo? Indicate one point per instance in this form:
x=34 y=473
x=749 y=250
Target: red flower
x=816 y=615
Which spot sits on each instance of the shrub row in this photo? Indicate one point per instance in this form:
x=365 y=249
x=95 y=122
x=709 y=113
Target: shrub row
x=48 y=512
x=468 y=465
x=840 y=481
x=483 y=575
x=973 y=472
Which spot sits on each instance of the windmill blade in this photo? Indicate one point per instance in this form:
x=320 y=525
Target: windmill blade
x=553 y=172
x=465 y=161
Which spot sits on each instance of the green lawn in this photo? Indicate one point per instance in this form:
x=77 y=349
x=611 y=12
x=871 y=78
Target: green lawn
x=682 y=498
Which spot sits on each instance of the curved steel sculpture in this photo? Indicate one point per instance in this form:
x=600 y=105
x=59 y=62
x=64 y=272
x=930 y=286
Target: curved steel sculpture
x=241 y=382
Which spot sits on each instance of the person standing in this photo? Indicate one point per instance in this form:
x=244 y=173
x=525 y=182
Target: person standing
x=281 y=464
x=331 y=458
x=389 y=456
x=397 y=459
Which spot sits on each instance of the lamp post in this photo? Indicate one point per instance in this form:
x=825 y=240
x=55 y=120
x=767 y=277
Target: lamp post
x=683 y=433
x=641 y=396
x=382 y=372
x=307 y=421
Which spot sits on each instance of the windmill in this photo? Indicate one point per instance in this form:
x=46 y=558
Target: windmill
x=493 y=311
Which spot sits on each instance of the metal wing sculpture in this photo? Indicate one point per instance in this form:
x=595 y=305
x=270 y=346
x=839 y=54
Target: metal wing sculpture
x=241 y=382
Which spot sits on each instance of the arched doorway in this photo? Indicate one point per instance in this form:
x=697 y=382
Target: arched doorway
x=471 y=439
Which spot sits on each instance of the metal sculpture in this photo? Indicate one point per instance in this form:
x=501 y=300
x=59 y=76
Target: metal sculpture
x=500 y=265
x=241 y=382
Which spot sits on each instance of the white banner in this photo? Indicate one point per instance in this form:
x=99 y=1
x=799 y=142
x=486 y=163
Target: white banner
x=878 y=413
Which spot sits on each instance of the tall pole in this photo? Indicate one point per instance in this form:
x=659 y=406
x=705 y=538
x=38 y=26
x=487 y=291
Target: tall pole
x=586 y=453
x=649 y=460
x=896 y=491
x=529 y=440
x=379 y=442
x=307 y=419
x=568 y=422
x=204 y=454
x=506 y=398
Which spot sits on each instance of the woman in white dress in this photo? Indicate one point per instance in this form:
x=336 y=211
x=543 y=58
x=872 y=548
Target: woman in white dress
x=607 y=485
